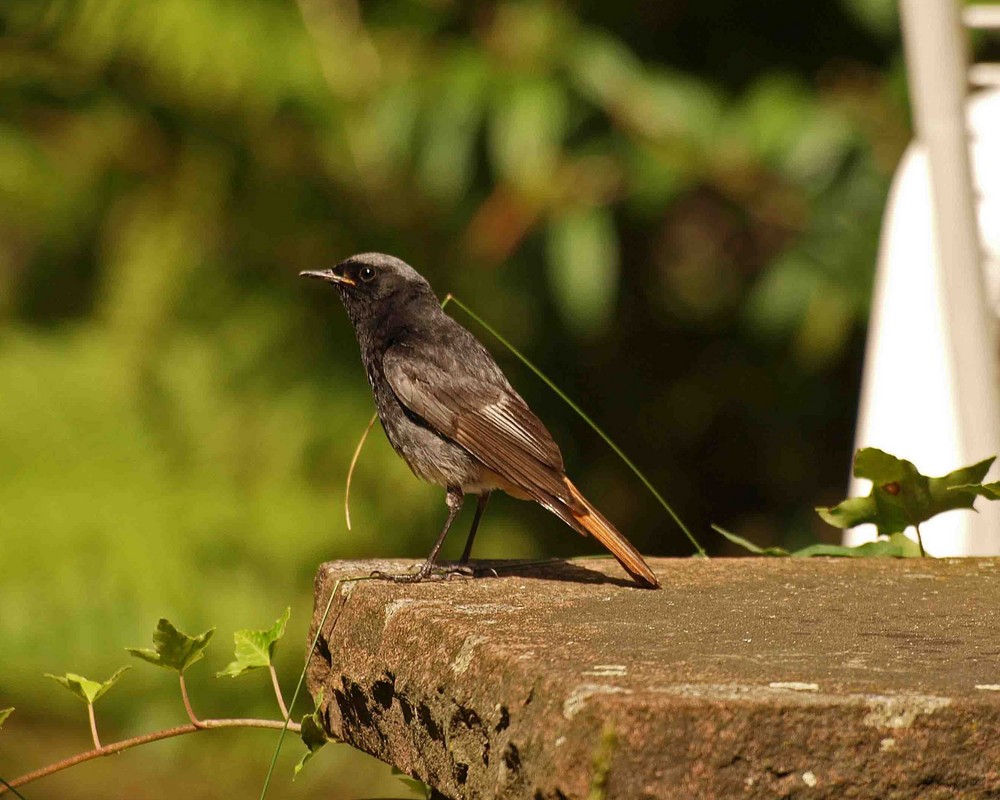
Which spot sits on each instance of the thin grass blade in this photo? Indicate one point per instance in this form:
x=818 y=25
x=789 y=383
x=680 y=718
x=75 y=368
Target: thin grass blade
x=593 y=425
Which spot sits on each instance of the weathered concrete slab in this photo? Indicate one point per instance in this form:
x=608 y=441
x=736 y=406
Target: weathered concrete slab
x=740 y=678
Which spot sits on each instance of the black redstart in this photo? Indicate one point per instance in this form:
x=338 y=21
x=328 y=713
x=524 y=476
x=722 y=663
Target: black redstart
x=448 y=410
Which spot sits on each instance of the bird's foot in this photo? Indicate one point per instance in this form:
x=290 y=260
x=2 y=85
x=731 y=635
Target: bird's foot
x=428 y=572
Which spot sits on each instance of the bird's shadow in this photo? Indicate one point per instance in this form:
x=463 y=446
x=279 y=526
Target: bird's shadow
x=554 y=569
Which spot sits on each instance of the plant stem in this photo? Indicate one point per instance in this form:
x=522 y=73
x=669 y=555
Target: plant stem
x=127 y=744
x=93 y=726
x=277 y=691
x=11 y=788
x=920 y=542
x=350 y=469
x=302 y=675
x=187 y=703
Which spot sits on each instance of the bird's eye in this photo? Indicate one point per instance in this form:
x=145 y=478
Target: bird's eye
x=366 y=273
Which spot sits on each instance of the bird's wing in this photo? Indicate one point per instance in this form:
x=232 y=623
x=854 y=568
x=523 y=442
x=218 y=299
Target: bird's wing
x=474 y=406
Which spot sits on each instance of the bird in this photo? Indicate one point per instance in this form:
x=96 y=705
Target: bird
x=448 y=410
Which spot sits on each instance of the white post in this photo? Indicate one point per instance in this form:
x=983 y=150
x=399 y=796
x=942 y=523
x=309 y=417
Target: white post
x=937 y=63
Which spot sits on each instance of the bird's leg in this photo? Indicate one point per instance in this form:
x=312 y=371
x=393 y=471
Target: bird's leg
x=484 y=498
x=454 y=499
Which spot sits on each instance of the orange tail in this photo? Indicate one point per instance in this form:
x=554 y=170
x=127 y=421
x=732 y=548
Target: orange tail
x=590 y=520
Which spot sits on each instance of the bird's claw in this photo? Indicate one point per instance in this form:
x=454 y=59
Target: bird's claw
x=458 y=571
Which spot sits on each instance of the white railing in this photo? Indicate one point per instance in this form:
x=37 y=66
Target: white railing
x=931 y=388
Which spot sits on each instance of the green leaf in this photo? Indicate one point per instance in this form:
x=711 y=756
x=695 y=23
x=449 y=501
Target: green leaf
x=313 y=735
x=4 y=713
x=881 y=17
x=746 y=544
x=417 y=786
x=942 y=489
x=527 y=126
x=903 y=545
x=851 y=512
x=173 y=649
x=900 y=495
x=880 y=467
x=87 y=690
x=832 y=551
x=583 y=264
x=447 y=162
x=896 y=546
x=991 y=491
x=255 y=649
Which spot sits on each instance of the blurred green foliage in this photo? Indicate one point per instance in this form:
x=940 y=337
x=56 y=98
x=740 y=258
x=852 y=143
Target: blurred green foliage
x=672 y=208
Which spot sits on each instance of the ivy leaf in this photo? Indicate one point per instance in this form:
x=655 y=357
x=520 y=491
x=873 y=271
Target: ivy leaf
x=419 y=787
x=313 y=735
x=896 y=546
x=173 y=649
x=746 y=544
x=87 y=690
x=900 y=495
x=991 y=491
x=4 y=713
x=255 y=649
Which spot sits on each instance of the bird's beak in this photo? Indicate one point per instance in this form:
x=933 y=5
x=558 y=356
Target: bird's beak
x=327 y=275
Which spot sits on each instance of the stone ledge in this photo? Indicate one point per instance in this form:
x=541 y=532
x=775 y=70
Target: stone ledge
x=813 y=678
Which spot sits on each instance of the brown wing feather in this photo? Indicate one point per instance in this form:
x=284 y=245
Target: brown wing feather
x=484 y=415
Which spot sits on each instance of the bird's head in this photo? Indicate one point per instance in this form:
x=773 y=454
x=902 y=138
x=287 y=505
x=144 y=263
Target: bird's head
x=371 y=282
